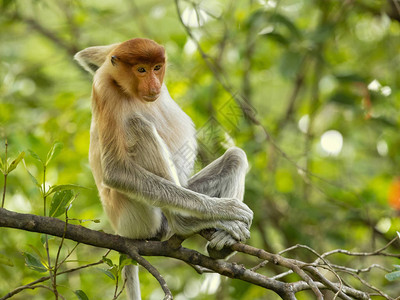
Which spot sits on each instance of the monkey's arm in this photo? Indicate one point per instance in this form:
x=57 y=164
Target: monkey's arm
x=133 y=180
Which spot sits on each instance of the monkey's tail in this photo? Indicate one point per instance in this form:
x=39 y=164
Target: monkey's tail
x=131 y=273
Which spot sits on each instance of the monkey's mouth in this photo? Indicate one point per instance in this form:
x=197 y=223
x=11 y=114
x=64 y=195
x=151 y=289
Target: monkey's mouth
x=151 y=98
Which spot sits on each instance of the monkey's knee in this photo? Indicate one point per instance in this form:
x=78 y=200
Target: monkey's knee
x=237 y=156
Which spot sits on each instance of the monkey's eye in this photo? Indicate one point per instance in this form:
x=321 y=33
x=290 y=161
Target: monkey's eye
x=158 y=67
x=141 y=70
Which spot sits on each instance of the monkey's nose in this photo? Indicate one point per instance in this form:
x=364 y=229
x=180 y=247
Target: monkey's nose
x=154 y=92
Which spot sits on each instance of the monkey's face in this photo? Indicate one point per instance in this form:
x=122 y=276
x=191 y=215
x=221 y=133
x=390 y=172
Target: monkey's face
x=138 y=68
x=140 y=81
x=148 y=80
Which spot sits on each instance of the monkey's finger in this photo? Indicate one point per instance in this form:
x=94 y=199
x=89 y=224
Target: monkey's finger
x=226 y=240
x=216 y=239
x=232 y=228
x=217 y=234
x=245 y=232
x=245 y=214
x=241 y=232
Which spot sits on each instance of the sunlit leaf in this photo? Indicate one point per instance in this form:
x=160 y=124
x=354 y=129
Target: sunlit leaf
x=34 y=180
x=60 y=202
x=63 y=187
x=33 y=262
x=54 y=151
x=35 y=156
x=15 y=162
x=36 y=250
x=393 y=276
x=81 y=295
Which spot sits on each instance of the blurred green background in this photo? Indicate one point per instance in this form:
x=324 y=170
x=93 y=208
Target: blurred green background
x=322 y=77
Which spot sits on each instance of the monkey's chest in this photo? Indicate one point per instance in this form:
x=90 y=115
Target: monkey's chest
x=182 y=147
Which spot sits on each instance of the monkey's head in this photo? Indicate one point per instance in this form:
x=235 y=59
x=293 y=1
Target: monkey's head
x=138 y=66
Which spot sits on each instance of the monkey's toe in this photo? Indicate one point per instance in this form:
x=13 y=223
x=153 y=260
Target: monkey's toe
x=220 y=245
x=219 y=254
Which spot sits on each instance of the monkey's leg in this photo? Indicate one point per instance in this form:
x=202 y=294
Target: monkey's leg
x=148 y=175
x=222 y=178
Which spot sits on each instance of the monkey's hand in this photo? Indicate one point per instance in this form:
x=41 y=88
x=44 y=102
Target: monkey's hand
x=219 y=246
x=220 y=239
x=230 y=209
x=237 y=230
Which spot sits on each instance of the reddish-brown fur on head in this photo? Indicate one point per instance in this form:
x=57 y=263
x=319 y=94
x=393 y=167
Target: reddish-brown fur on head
x=140 y=51
x=138 y=68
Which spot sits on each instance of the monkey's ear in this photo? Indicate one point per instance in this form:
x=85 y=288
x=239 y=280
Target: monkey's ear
x=93 y=57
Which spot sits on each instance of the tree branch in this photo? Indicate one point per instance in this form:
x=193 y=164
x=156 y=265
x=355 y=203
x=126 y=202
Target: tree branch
x=312 y=278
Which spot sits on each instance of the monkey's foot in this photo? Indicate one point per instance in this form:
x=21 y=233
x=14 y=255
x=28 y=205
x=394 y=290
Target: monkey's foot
x=219 y=254
x=220 y=244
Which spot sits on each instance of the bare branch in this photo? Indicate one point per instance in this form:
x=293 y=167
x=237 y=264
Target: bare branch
x=312 y=278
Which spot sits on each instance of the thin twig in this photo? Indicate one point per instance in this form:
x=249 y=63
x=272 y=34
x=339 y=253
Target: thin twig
x=330 y=268
x=132 y=251
x=45 y=278
x=374 y=253
x=364 y=282
x=5 y=175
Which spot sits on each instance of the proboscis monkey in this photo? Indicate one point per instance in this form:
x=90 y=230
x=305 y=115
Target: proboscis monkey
x=139 y=144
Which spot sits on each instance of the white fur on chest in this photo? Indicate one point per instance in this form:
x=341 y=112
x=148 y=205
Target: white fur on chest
x=174 y=127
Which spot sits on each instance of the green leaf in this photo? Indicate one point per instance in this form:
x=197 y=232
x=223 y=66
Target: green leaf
x=4 y=260
x=286 y=22
x=34 y=180
x=15 y=162
x=62 y=187
x=81 y=295
x=35 y=156
x=33 y=262
x=344 y=98
x=43 y=238
x=290 y=63
x=108 y=273
x=108 y=261
x=393 y=276
x=60 y=202
x=36 y=250
x=124 y=260
x=322 y=33
x=350 y=78
x=54 y=151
